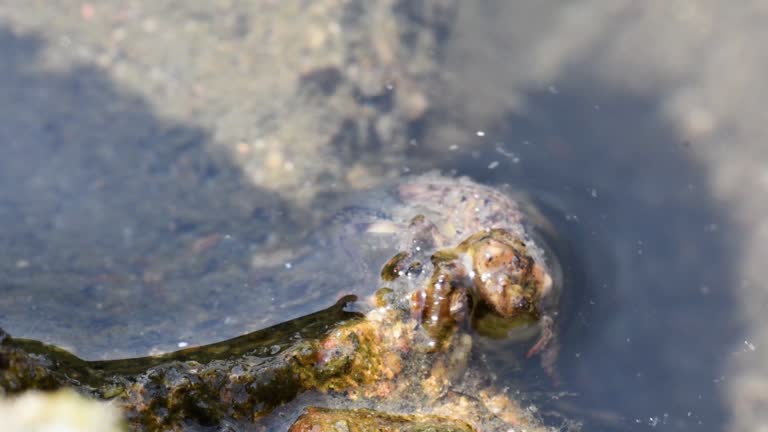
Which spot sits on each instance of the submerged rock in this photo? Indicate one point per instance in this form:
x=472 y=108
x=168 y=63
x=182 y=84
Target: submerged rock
x=462 y=262
x=242 y=378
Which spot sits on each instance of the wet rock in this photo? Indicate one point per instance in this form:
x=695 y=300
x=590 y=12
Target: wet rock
x=241 y=378
x=362 y=420
x=408 y=345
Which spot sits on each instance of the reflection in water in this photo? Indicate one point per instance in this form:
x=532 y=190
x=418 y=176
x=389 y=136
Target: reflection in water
x=649 y=328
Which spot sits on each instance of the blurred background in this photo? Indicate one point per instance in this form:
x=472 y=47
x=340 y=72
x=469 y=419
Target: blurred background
x=154 y=156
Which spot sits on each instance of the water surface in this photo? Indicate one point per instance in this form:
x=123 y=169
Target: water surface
x=649 y=316
x=125 y=233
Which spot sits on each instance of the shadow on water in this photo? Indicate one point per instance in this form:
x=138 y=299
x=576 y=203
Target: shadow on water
x=651 y=319
x=119 y=231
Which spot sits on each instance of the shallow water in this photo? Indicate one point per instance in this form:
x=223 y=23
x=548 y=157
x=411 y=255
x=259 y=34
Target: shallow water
x=650 y=320
x=124 y=233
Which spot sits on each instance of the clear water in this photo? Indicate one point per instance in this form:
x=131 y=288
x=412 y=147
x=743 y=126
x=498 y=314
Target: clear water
x=123 y=233
x=649 y=318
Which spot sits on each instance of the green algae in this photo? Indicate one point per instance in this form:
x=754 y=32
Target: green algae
x=241 y=378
